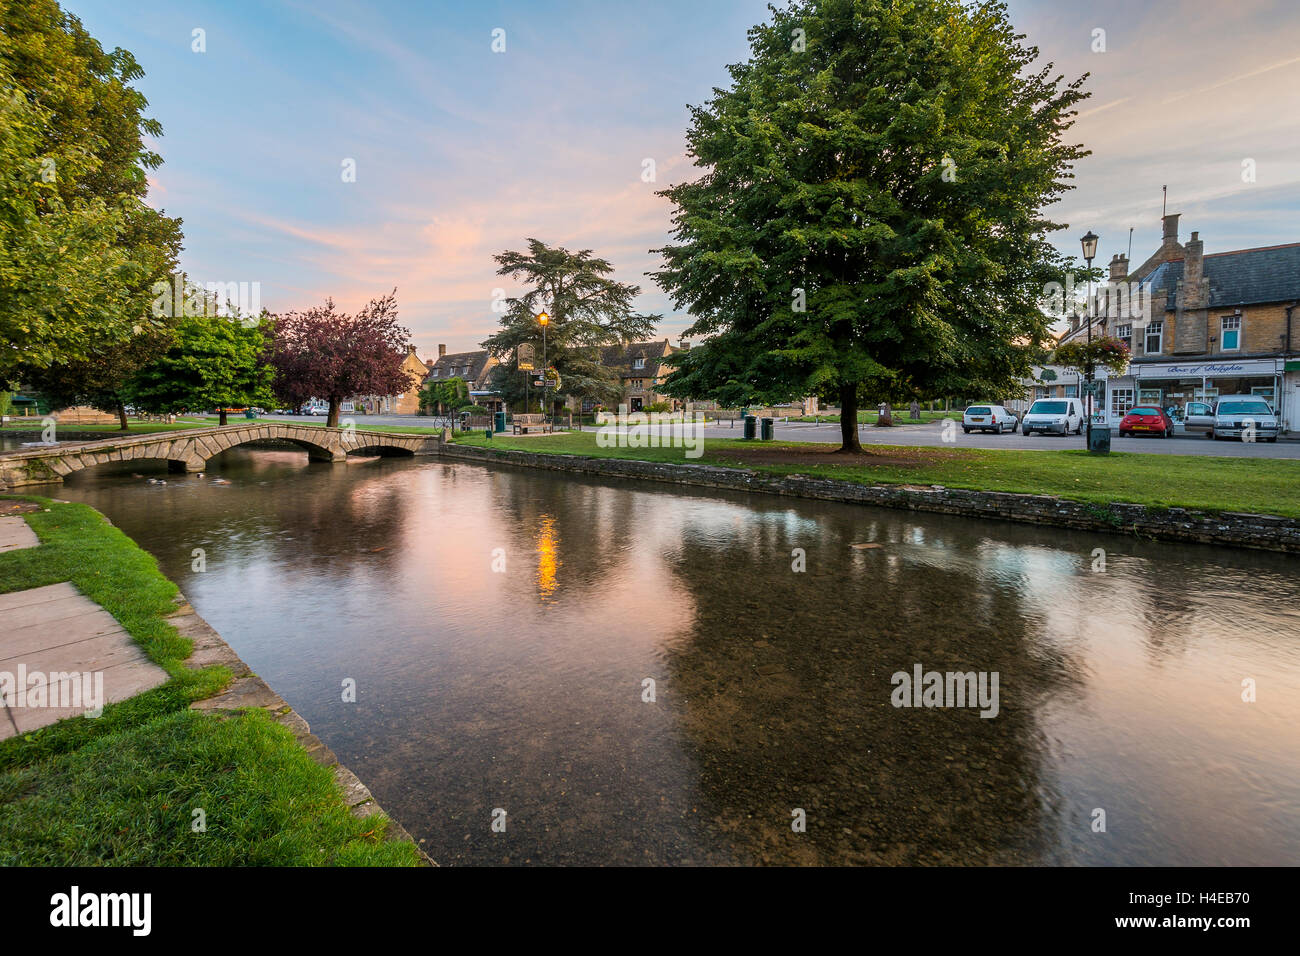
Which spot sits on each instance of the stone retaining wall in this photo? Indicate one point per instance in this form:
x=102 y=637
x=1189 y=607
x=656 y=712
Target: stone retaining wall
x=1264 y=532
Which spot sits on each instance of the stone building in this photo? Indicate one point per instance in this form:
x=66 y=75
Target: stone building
x=640 y=368
x=1199 y=326
x=475 y=368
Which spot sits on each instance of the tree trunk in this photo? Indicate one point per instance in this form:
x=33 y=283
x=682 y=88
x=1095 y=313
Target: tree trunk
x=849 y=419
x=121 y=416
x=333 y=420
x=221 y=413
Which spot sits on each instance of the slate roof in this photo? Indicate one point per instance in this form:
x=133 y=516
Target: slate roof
x=449 y=366
x=1244 y=277
x=621 y=357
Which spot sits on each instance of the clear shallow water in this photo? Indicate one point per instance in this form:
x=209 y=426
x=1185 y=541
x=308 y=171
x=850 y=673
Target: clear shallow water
x=522 y=690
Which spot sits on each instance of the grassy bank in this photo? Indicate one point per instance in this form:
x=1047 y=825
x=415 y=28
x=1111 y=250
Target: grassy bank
x=1259 y=485
x=120 y=789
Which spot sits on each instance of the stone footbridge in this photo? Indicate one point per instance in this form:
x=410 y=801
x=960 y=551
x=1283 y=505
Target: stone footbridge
x=189 y=450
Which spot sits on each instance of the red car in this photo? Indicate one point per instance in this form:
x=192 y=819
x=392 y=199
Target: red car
x=1147 y=420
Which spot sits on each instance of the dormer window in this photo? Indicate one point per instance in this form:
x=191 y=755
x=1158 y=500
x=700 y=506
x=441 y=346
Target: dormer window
x=638 y=363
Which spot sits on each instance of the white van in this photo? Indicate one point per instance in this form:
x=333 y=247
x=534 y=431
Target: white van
x=1059 y=415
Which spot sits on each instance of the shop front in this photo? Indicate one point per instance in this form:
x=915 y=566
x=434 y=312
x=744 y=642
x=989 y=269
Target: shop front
x=1172 y=385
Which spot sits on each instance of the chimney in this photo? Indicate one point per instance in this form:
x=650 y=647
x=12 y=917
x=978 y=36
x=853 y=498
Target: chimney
x=442 y=350
x=1193 y=260
x=410 y=350
x=1171 y=229
x=1118 y=267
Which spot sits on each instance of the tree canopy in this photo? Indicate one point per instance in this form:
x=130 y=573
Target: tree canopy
x=588 y=309
x=869 y=218
x=80 y=247
x=327 y=354
x=214 y=362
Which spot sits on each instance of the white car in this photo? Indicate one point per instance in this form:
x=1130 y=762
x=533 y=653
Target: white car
x=1058 y=415
x=989 y=418
x=1247 y=417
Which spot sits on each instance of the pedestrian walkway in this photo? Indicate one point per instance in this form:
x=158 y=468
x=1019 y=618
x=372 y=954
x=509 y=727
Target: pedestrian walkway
x=15 y=534
x=58 y=647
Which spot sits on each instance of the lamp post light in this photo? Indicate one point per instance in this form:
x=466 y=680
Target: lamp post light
x=1089 y=242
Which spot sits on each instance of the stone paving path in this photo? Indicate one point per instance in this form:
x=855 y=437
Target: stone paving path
x=15 y=533
x=57 y=629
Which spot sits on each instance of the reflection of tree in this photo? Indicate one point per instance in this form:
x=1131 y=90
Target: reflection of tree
x=317 y=517
x=784 y=688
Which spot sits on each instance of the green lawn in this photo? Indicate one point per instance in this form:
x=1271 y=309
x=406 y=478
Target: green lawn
x=1261 y=485
x=121 y=788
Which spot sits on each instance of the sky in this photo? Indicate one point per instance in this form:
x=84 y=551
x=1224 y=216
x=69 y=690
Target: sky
x=461 y=152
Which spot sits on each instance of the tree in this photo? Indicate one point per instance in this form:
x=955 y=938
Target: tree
x=446 y=394
x=869 y=216
x=587 y=308
x=81 y=248
x=214 y=361
x=327 y=354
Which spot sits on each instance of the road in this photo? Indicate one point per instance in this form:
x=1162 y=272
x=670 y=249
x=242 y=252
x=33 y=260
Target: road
x=931 y=435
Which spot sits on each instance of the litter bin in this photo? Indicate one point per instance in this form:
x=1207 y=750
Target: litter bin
x=249 y=413
x=768 y=429
x=750 y=429
x=499 y=422
x=1099 y=441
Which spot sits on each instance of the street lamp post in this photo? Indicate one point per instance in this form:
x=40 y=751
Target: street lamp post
x=1089 y=242
x=544 y=320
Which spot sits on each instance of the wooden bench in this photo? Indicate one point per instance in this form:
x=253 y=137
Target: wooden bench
x=524 y=422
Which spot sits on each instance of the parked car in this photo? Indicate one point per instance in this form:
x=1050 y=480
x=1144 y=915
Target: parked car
x=1147 y=420
x=1059 y=415
x=989 y=418
x=1198 y=417
x=315 y=408
x=1245 y=417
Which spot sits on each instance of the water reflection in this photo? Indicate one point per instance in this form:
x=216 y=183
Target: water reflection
x=523 y=688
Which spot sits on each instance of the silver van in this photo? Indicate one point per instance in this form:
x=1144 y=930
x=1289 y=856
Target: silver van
x=1058 y=415
x=1247 y=417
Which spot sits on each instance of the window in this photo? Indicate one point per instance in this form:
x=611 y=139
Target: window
x=1072 y=391
x=638 y=363
x=1151 y=395
x=1125 y=334
x=1155 y=338
x=1231 y=326
x=1121 y=400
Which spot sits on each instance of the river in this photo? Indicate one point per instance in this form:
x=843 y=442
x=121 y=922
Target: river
x=501 y=626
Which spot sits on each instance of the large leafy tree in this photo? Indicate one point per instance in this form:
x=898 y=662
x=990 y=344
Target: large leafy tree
x=588 y=309
x=81 y=247
x=214 y=361
x=327 y=354
x=869 y=219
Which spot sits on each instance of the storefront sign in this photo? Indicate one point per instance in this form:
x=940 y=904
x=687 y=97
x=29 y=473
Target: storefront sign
x=1222 y=369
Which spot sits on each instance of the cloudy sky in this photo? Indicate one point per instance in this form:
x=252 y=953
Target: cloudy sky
x=461 y=152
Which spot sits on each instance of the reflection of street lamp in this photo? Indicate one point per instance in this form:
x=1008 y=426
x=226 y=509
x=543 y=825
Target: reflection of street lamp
x=544 y=320
x=1089 y=242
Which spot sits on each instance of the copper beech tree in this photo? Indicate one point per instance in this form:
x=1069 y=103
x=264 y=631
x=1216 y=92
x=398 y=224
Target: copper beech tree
x=330 y=355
